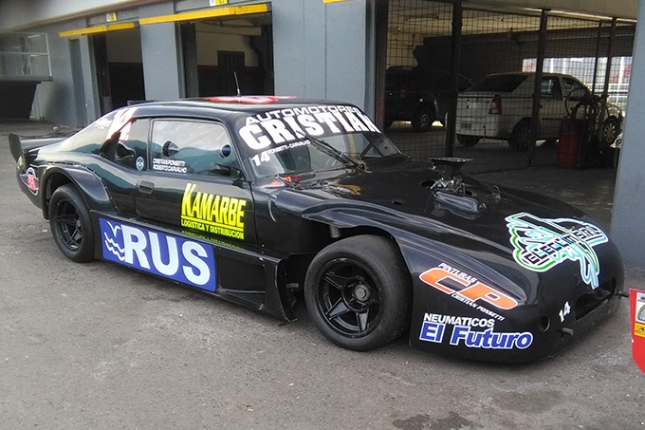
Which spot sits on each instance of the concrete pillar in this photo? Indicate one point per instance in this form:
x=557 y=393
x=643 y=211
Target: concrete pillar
x=321 y=50
x=627 y=226
x=92 y=106
x=189 y=49
x=163 y=71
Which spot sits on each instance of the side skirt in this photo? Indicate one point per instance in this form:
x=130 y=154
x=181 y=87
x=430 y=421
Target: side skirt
x=232 y=271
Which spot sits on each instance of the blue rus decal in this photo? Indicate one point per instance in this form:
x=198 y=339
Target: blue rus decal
x=175 y=258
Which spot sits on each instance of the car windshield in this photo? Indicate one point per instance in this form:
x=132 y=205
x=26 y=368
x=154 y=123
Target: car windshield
x=498 y=83
x=310 y=138
x=312 y=154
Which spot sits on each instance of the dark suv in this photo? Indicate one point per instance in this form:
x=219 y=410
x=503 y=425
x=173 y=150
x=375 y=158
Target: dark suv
x=418 y=95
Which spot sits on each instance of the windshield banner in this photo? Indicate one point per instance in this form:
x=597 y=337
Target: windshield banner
x=282 y=126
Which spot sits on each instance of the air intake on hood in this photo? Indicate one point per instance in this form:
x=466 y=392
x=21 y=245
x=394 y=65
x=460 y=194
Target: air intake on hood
x=458 y=202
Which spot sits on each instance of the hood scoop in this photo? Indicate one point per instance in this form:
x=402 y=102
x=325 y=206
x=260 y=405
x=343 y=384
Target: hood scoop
x=450 y=179
x=452 y=193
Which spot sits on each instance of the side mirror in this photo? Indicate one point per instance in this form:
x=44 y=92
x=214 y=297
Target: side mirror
x=221 y=169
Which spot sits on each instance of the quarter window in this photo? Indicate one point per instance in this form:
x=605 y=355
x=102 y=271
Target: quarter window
x=129 y=146
x=191 y=147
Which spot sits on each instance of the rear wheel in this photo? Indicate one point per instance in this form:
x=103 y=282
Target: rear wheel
x=71 y=225
x=422 y=119
x=358 y=292
x=468 y=141
x=520 y=137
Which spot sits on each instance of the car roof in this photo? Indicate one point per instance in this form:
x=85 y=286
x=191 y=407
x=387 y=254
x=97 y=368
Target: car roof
x=243 y=104
x=415 y=68
x=530 y=74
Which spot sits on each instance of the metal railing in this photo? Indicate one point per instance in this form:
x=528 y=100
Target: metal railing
x=24 y=57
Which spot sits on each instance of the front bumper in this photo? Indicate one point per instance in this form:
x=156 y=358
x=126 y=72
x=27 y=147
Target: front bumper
x=487 y=323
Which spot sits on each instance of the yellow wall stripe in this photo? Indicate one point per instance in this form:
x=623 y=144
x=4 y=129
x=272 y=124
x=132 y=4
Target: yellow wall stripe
x=210 y=13
x=97 y=29
x=333 y=1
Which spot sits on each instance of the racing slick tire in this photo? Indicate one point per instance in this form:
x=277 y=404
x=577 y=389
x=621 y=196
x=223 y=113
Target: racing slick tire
x=468 y=141
x=71 y=225
x=358 y=292
x=422 y=119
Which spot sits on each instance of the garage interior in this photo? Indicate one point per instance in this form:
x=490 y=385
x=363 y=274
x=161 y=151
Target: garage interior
x=436 y=49
x=214 y=53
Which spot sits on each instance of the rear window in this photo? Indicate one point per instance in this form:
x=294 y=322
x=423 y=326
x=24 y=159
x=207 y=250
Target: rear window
x=498 y=83
x=395 y=81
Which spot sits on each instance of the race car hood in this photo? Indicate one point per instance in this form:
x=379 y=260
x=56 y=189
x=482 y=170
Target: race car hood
x=402 y=196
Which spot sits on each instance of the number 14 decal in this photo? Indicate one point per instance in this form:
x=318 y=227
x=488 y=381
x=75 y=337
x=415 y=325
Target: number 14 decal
x=564 y=312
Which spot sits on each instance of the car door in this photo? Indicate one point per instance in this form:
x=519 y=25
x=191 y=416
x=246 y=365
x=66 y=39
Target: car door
x=399 y=95
x=574 y=93
x=194 y=182
x=551 y=107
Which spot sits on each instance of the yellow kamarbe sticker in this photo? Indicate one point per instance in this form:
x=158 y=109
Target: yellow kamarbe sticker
x=212 y=213
x=639 y=330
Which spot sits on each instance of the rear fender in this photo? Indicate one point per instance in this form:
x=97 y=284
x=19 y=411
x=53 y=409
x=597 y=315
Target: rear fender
x=89 y=185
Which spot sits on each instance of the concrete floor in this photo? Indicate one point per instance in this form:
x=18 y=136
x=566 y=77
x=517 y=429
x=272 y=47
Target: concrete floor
x=97 y=346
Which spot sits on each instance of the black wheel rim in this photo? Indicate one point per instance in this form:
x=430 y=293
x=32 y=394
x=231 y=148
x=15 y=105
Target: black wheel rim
x=68 y=224
x=348 y=298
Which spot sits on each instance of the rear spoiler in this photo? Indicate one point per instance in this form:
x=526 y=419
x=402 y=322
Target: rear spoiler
x=15 y=145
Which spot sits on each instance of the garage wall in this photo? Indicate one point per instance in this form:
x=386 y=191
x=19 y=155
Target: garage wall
x=19 y=14
x=209 y=43
x=329 y=60
x=55 y=100
x=627 y=228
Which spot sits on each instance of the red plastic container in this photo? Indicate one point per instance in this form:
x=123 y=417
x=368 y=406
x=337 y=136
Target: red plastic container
x=569 y=145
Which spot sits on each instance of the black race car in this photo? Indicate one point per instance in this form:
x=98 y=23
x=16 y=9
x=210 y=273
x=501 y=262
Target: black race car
x=252 y=199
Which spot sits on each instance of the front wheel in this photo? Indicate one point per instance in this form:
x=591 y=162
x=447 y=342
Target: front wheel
x=358 y=292
x=71 y=225
x=610 y=130
x=422 y=119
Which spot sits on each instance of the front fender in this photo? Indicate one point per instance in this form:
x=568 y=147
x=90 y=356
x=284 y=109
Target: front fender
x=90 y=186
